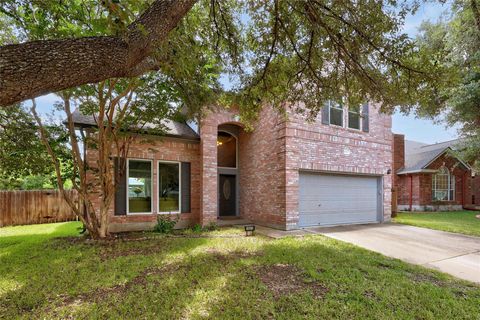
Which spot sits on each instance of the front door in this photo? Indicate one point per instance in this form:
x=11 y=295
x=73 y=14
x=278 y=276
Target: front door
x=227 y=192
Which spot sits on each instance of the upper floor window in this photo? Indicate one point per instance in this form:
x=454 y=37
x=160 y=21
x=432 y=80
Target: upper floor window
x=336 y=114
x=443 y=185
x=353 y=117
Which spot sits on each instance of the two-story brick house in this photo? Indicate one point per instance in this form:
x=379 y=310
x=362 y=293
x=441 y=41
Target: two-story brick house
x=286 y=173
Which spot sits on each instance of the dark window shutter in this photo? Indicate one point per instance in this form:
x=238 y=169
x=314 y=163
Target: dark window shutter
x=120 y=186
x=185 y=192
x=365 y=118
x=326 y=113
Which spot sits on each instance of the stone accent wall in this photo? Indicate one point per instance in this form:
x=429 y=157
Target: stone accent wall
x=158 y=148
x=319 y=147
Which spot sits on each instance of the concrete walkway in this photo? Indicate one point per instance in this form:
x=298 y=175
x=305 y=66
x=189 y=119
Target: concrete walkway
x=451 y=253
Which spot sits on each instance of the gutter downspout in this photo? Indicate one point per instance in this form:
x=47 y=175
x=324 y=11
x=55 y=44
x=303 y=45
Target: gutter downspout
x=464 y=187
x=411 y=192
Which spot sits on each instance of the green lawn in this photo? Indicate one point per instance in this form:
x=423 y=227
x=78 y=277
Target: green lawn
x=455 y=221
x=42 y=276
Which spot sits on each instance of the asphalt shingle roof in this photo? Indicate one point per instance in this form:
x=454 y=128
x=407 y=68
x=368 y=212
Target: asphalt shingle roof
x=173 y=128
x=419 y=155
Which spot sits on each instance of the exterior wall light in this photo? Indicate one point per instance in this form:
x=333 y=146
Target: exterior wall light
x=389 y=171
x=249 y=230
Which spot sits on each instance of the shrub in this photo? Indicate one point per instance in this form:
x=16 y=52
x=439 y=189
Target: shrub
x=165 y=223
x=212 y=226
x=197 y=228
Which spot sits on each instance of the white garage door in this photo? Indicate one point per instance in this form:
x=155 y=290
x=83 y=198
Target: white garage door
x=326 y=199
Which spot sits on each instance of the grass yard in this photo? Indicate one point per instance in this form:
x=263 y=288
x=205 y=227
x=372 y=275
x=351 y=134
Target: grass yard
x=455 y=221
x=229 y=277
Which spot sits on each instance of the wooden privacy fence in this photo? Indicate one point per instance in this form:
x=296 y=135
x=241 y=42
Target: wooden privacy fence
x=34 y=206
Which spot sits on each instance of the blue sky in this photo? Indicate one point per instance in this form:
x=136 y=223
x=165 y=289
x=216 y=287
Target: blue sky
x=414 y=129
x=420 y=129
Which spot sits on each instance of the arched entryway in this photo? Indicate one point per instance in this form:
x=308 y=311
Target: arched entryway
x=227 y=167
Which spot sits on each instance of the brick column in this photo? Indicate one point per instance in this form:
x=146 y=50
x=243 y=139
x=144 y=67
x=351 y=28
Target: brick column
x=208 y=170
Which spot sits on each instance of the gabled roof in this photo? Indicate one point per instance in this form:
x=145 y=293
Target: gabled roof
x=173 y=128
x=418 y=156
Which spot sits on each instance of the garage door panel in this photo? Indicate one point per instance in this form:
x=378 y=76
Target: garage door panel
x=334 y=220
x=338 y=206
x=335 y=199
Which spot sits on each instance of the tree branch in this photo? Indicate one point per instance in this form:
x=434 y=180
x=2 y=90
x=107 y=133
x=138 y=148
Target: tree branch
x=31 y=69
x=476 y=13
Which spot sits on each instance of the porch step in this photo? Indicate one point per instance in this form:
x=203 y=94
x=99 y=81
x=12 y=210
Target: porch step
x=222 y=222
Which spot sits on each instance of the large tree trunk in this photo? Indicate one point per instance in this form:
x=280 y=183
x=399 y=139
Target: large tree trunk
x=35 y=68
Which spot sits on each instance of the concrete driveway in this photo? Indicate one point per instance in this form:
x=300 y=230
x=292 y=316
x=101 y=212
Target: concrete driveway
x=452 y=253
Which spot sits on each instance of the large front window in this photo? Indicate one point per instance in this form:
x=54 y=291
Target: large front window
x=139 y=186
x=443 y=184
x=168 y=187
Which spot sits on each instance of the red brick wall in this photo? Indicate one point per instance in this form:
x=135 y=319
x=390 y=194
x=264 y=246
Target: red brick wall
x=208 y=161
x=262 y=170
x=398 y=156
x=270 y=158
x=260 y=167
x=422 y=186
x=319 y=147
x=157 y=148
x=402 y=185
x=455 y=169
x=476 y=189
x=473 y=189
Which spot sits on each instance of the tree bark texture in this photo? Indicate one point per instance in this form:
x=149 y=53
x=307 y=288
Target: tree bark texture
x=35 y=68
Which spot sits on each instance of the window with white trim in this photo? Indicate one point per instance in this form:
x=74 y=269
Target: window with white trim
x=342 y=116
x=336 y=113
x=169 y=186
x=139 y=186
x=443 y=185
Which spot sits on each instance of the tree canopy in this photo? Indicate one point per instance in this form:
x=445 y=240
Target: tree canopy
x=453 y=44
x=273 y=51
x=23 y=158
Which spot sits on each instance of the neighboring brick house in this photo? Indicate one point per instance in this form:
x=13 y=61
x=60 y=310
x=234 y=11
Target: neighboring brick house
x=432 y=177
x=286 y=173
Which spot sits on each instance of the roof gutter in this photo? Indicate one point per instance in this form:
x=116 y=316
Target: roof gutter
x=416 y=171
x=82 y=126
